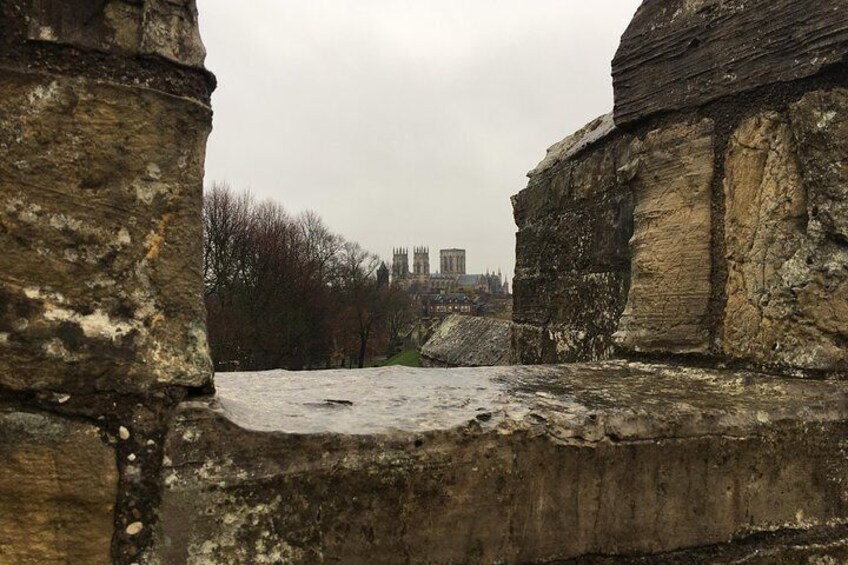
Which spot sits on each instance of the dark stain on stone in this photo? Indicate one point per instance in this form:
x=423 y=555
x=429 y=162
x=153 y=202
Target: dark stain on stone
x=15 y=307
x=71 y=335
x=108 y=260
x=124 y=310
x=331 y=403
x=813 y=545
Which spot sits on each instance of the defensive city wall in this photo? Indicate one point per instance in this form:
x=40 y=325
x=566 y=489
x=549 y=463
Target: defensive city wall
x=707 y=215
x=688 y=251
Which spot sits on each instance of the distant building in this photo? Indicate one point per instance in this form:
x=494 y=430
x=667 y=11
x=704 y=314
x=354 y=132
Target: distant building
x=421 y=261
x=383 y=275
x=443 y=305
x=400 y=263
x=451 y=279
x=452 y=261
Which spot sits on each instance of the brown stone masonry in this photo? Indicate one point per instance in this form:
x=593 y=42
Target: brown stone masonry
x=761 y=284
x=707 y=231
x=104 y=113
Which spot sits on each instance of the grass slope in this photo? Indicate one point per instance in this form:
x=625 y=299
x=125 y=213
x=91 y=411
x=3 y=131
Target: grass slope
x=407 y=358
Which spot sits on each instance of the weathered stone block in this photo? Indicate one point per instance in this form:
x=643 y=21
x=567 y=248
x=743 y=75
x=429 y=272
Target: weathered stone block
x=468 y=341
x=820 y=128
x=528 y=345
x=591 y=133
x=786 y=229
x=165 y=28
x=577 y=321
x=590 y=237
x=671 y=267
x=58 y=487
x=499 y=465
x=572 y=256
x=100 y=226
x=684 y=53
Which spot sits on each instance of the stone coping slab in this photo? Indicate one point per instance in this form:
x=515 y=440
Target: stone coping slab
x=505 y=465
x=618 y=399
x=685 y=53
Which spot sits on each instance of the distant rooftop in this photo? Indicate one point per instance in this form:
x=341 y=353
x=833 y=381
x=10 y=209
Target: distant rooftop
x=450 y=297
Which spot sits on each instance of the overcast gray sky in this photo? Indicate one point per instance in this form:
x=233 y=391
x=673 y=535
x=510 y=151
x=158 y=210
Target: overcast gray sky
x=404 y=122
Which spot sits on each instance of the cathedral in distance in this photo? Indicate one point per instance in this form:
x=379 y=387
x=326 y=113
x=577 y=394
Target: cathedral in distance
x=451 y=277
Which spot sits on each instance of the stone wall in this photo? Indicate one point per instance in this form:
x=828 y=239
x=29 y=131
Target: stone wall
x=105 y=113
x=468 y=341
x=630 y=462
x=707 y=215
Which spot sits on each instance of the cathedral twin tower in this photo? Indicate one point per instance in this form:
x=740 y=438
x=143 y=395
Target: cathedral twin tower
x=452 y=262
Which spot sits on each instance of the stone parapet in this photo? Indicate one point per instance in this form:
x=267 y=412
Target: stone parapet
x=100 y=191
x=671 y=176
x=710 y=226
x=503 y=465
x=575 y=219
x=159 y=28
x=680 y=54
x=58 y=488
x=786 y=235
x=105 y=113
x=711 y=220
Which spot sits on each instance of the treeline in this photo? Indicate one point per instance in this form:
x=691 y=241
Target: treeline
x=285 y=292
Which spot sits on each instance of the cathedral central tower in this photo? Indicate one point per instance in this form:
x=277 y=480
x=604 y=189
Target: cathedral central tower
x=453 y=261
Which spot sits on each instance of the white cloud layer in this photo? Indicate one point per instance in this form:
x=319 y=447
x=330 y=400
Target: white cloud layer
x=404 y=122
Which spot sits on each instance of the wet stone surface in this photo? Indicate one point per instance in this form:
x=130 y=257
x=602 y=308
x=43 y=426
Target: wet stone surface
x=614 y=398
x=372 y=401
x=509 y=464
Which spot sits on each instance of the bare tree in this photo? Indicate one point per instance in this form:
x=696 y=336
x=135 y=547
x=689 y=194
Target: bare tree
x=284 y=291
